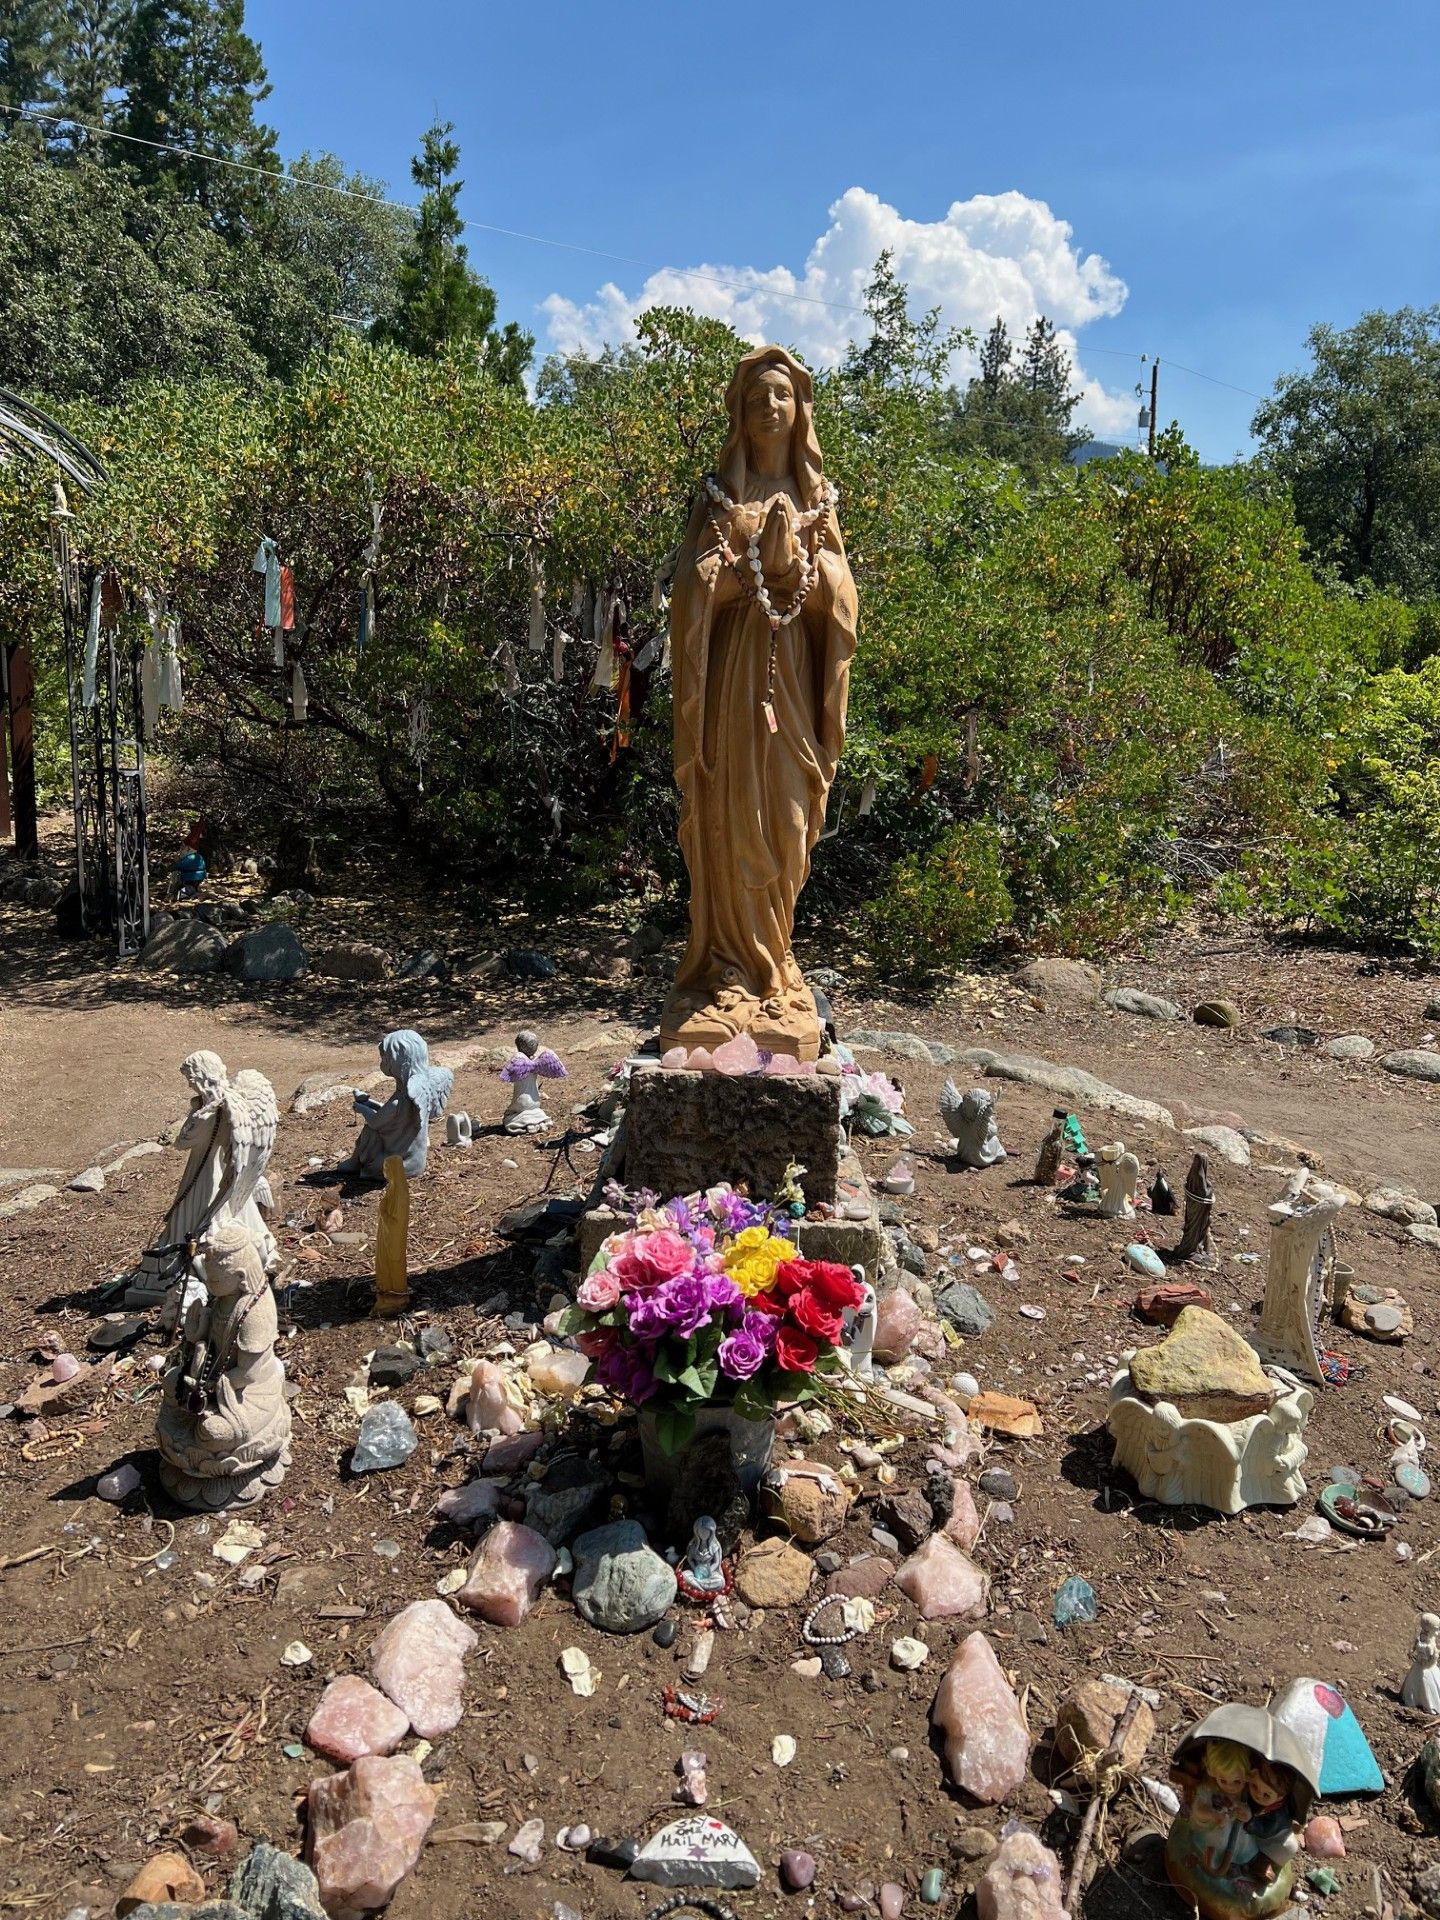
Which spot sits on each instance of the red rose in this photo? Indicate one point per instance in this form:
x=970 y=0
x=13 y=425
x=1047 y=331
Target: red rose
x=835 y=1285
x=772 y=1302
x=795 y=1351
x=790 y=1277
x=811 y=1314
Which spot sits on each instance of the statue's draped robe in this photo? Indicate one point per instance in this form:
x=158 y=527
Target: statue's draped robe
x=753 y=801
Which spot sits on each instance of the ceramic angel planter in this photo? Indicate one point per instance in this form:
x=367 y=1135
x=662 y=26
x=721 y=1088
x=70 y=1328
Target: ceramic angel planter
x=527 y=1067
x=1245 y=1790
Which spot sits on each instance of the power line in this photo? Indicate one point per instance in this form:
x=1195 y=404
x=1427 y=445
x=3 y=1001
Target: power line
x=278 y=177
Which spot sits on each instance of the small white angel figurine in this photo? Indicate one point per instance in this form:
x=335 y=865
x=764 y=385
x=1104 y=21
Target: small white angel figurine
x=527 y=1067
x=1422 y=1682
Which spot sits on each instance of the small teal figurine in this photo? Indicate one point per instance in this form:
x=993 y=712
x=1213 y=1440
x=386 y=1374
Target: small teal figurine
x=190 y=872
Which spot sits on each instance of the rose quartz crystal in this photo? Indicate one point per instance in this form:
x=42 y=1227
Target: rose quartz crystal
x=738 y=1056
x=558 y=1372
x=943 y=1582
x=987 y=1748
x=1022 y=1882
x=514 y=1451
x=963 y=1526
x=897 y=1321
x=367 y=1827
x=1324 y=1838
x=490 y=1409
x=673 y=1057
x=353 y=1719
x=419 y=1663
x=471 y=1505
x=510 y=1566
x=700 y=1060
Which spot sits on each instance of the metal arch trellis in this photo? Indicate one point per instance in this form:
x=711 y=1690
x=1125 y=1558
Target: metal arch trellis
x=107 y=753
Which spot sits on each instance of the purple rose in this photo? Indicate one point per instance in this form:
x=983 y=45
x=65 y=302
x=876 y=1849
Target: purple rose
x=629 y=1372
x=646 y=1315
x=685 y=1304
x=723 y=1293
x=742 y=1354
x=762 y=1325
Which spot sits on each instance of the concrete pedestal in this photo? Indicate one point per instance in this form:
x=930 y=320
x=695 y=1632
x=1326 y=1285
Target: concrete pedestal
x=687 y=1131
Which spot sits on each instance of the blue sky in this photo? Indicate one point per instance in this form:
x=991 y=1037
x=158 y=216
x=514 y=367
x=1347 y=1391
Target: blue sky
x=1197 y=183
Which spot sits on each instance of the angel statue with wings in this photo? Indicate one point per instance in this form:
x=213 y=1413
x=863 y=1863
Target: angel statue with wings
x=229 y=1134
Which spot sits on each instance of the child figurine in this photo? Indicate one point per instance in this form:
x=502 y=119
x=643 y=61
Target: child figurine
x=1245 y=1783
x=1422 y=1683
x=527 y=1067
x=1052 y=1148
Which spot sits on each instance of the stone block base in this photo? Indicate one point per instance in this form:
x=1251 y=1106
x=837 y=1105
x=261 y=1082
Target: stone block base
x=687 y=1131
x=850 y=1242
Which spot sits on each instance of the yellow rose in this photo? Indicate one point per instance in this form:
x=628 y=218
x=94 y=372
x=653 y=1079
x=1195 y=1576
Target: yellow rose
x=752 y=1275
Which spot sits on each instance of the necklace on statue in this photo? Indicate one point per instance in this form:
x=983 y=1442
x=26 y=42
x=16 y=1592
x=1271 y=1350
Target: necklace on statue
x=811 y=523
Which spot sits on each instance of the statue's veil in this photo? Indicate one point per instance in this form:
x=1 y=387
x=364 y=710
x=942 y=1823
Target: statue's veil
x=806 y=466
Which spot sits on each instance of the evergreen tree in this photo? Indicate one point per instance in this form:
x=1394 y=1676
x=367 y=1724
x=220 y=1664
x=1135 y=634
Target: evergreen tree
x=30 y=34
x=1018 y=413
x=441 y=301
x=97 y=33
x=193 y=78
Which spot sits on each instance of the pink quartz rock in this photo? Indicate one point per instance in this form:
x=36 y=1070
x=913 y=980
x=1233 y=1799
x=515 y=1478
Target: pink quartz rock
x=897 y=1321
x=472 y=1505
x=1023 y=1882
x=510 y=1566
x=673 y=1057
x=354 y=1719
x=892 y=1901
x=418 y=1662
x=510 y=1454
x=963 y=1526
x=865 y=1580
x=367 y=1827
x=558 y=1372
x=736 y=1057
x=987 y=1748
x=786 y=1066
x=701 y=1060
x=1324 y=1839
x=943 y=1582
x=64 y=1367
x=491 y=1409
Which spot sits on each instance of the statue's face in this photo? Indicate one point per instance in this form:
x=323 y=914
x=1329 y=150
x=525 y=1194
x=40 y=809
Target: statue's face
x=770 y=406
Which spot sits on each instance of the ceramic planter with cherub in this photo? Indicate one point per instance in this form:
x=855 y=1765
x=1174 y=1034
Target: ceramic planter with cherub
x=1245 y=1787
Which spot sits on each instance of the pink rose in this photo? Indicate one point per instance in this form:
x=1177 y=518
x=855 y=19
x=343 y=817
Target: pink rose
x=631 y=1274
x=667 y=1254
x=599 y=1291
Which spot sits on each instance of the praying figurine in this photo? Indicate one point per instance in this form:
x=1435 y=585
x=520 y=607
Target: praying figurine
x=1195 y=1243
x=229 y=1133
x=402 y=1125
x=224 y=1425
x=459 y=1130
x=703 y=1568
x=527 y=1067
x=1119 y=1178
x=1052 y=1151
x=1162 y=1195
x=862 y=1331
x=392 y=1273
x=972 y=1121
x=1421 y=1687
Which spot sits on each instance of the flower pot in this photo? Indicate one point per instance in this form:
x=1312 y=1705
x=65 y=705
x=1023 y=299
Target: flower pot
x=751 y=1442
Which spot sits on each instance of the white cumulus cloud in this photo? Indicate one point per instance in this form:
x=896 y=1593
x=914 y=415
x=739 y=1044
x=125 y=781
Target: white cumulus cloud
x=1001 y=253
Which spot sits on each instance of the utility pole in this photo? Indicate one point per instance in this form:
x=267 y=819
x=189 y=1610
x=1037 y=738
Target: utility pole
x=1154 y=402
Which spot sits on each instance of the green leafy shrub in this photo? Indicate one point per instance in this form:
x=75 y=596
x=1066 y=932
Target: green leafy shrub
x=943 y=906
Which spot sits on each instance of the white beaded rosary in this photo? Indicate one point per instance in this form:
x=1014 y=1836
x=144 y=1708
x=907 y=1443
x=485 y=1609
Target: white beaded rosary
x=813 y=520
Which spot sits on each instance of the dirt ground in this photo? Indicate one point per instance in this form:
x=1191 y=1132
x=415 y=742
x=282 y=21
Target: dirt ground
x=133 y=1698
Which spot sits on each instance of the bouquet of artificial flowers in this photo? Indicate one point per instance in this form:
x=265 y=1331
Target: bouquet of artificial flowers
x=703 y=1302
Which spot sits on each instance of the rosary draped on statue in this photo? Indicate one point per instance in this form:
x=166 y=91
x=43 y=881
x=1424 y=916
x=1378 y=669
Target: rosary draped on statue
x=762 y=630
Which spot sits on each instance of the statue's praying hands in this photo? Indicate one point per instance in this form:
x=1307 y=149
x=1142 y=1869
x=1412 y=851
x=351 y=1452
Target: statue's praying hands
x=779 y=550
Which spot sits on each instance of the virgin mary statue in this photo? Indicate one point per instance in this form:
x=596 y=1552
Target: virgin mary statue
x=762 y=629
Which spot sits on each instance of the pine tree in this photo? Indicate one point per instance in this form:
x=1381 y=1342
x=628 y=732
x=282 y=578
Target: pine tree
x=440 y=299
x=96 y=35
x=1021 y=412
x=193 y=78
x=30 y=36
